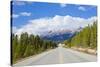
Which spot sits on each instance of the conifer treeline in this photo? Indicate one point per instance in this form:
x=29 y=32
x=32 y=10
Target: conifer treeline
x=86 y=38
x=28 y=45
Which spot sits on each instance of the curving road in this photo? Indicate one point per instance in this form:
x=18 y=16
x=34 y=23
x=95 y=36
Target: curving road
x=57 y=56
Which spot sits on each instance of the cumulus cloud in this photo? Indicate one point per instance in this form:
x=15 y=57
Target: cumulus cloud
x=15 y=15
x=82 y=8
x=21 y=3
x=21 y=14
x=14 y=29
x=44 y=25
x=25 y=13
x=63 y=5
x=18 y=3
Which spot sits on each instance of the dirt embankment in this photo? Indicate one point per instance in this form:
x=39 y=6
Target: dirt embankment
x=86 y=50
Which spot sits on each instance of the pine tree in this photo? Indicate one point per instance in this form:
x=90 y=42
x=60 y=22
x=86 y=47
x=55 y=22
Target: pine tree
x=27 y=45
x=86 y=38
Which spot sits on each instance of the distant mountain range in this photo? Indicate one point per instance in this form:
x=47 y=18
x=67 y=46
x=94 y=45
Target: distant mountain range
x=61 y=35
x=59 y=38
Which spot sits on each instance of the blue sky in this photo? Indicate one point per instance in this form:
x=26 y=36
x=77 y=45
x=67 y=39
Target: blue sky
x=39 y=10
x=23 y=12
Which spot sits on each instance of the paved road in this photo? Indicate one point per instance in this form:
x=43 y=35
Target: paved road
x=56 y=56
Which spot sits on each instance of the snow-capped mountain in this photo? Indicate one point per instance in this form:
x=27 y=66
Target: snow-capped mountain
x=59 y=36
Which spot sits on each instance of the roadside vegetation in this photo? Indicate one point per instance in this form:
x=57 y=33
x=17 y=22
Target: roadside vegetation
x=86 y=38
x=28 y=45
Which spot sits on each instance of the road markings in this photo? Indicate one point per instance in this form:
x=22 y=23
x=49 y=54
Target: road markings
x=60 y=57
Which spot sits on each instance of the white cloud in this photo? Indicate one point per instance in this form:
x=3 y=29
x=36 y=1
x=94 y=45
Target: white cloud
x=44 y=25
x=63 y=5
x=21 y=14
x=15 y=15
x=25 y=13
x=82 y=8
x=14 y=29
x=18 y=3
x=21 y=3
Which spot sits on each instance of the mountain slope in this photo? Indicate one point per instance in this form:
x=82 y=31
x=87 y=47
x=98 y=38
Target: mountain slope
x=59 y=36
